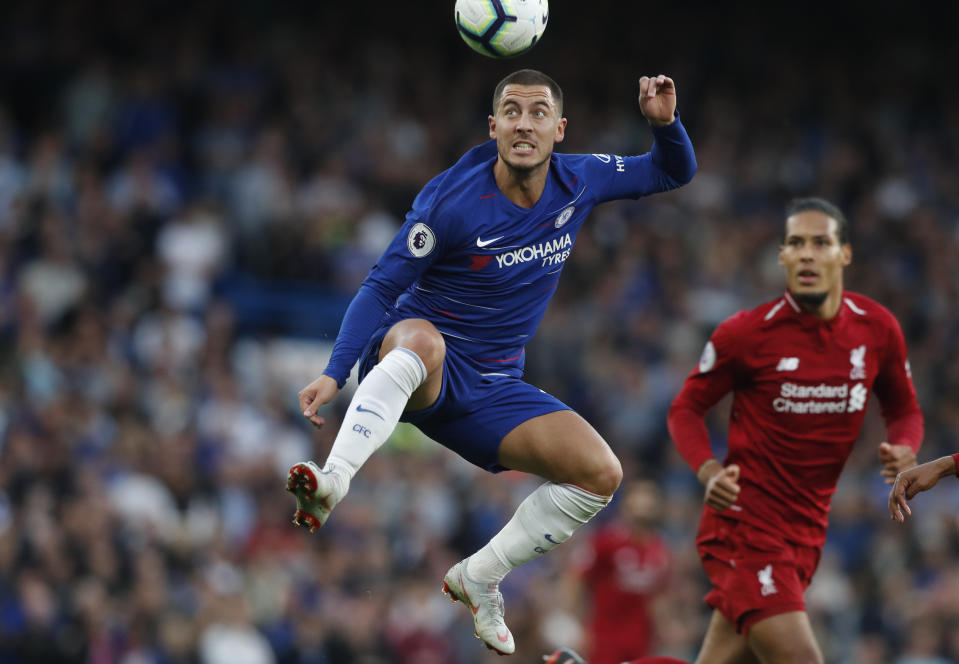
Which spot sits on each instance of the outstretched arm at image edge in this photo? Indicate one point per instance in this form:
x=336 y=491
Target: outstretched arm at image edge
x=917 y=479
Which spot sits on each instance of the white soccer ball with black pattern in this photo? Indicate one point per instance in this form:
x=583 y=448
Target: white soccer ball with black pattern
x=501 y=28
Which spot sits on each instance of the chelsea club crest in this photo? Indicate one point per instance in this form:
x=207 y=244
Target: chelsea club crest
x=564 y=216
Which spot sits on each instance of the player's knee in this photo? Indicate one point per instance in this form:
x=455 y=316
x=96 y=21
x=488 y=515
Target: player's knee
x=606 y=477
x=614 y=476
x=421 y=338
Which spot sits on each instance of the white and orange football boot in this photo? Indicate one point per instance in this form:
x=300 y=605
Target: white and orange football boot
x=486 y=603
x=317 y=493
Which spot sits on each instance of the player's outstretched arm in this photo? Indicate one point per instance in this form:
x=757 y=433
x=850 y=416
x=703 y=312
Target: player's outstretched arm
x=657 y=99
x=915 y=480
x=722 y=486
x=318 y=393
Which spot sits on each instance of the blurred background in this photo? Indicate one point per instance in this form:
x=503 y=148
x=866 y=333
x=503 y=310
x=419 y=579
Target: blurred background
x=190 y=193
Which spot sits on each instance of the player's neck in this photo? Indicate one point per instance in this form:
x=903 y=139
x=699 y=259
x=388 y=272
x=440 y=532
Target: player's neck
x=523 y=187
x=824 y=310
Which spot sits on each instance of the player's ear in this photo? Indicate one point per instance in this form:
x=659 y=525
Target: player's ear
x=846 y=254
x=782 y=248
x=560 y=130
x=492 y=127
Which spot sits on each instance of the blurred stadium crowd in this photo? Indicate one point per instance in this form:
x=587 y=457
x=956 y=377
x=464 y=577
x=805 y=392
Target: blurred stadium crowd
x=190 y=193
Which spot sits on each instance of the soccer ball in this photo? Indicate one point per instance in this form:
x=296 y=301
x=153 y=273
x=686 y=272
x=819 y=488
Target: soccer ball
x=501 y=28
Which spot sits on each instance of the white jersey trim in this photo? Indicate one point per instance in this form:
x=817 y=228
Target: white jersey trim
x=849 y=303
x=465 y=304
x=792 y=302
x=566 y=205
x=456 y=336
x=772 y=312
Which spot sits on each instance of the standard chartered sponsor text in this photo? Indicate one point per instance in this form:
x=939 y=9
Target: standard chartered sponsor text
x=821 y=391
x=837 y=396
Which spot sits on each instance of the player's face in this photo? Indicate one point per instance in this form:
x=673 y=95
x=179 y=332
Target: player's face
x=812 y=254
x=526 y=125
x=642 y=506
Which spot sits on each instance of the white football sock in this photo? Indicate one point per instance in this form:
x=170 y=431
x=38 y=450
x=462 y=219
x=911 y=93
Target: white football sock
x=547 y=517
x=374 y=411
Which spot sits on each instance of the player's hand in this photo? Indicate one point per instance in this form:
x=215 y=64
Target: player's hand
x=316 y=394
x=910 y=482
x=722 y=487
x=895 y=459
x=657 y=99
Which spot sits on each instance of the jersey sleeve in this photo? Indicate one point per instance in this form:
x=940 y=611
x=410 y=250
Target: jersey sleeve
x=412 y=251
x=670 y=164
x=896 y=393
x=712 y=379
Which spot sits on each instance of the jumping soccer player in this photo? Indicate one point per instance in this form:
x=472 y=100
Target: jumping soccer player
x=440 y=325
x=801 y=369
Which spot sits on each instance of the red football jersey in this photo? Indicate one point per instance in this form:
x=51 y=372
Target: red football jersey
x=800 y=388
x=623 y=575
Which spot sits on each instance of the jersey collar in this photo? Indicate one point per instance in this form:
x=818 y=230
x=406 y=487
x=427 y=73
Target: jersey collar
x=841 y=314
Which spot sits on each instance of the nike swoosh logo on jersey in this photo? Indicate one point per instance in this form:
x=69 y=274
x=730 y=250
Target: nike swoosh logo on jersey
x=485 y=243
x=361 y=409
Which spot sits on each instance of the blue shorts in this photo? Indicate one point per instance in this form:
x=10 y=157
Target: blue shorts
x=474 y=411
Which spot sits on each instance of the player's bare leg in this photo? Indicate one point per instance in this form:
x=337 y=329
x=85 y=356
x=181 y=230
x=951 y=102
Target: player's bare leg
x=785 y=639
x=409 y=375
x=582 y=474
x=563 y=448
x=724 y=645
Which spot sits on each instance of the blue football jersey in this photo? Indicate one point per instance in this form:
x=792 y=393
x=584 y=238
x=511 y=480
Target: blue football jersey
x=481 y=268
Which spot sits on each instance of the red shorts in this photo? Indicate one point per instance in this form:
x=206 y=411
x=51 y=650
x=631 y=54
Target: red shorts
x=755 y=574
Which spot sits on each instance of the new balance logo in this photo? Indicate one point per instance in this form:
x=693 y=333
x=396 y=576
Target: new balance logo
x=361 y=409
x=788 y=364
x=485 y=243
x=766 y=579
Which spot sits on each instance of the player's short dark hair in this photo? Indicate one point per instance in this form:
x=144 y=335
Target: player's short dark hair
x=529 y=77
x=797 y=205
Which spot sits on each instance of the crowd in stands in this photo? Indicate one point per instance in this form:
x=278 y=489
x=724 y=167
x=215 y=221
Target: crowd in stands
x=190 y=193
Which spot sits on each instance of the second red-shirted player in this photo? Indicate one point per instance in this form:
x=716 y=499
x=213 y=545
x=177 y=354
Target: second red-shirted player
x=802 y=369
